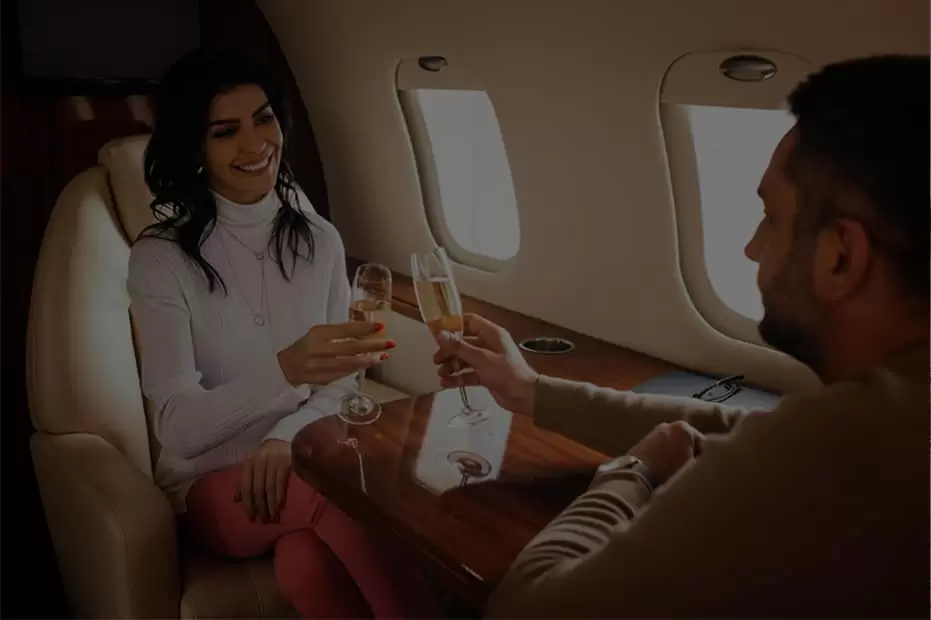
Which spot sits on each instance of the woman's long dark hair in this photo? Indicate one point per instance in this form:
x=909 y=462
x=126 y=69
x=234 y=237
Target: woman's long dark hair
x=174 y=159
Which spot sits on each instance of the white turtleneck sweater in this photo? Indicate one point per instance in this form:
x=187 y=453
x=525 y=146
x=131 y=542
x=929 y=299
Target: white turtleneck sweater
x=210 y=370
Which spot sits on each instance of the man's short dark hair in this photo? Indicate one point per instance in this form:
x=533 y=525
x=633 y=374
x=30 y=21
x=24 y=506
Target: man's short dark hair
x=863 y=127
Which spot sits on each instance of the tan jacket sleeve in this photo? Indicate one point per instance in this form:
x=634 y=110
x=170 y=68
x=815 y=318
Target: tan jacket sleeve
x=815 y=509
x=612 y=421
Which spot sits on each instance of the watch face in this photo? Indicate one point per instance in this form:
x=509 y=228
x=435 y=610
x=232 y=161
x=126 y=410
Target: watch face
x=623 y=462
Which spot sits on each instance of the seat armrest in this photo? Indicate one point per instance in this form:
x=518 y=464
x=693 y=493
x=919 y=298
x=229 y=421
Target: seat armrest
x=112 y=528
x=380 y=392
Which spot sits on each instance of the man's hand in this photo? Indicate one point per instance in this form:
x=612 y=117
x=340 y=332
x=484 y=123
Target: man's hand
x=264 y=485
x=667 y=449
x=495 y=362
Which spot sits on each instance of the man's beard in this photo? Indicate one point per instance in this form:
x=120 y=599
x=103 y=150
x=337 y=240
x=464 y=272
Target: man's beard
x=791 y=314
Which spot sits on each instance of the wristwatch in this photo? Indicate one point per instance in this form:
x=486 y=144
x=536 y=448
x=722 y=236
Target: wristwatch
x=631 y=463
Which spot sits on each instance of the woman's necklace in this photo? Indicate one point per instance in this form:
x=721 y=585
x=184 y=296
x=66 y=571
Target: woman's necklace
x=258 y=317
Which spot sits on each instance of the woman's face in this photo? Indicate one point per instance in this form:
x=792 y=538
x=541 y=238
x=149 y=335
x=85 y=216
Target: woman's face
x=243 y=144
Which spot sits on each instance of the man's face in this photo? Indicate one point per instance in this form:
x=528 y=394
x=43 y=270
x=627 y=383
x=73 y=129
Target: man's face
x=791 y=313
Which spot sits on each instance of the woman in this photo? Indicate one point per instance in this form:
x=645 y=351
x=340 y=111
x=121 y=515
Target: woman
x=240 y=299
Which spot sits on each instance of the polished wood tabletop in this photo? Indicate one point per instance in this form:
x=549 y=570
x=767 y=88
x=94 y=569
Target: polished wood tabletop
x=467 y=500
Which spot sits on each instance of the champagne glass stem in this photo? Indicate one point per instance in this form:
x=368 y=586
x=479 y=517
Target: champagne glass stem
x=360 y=377
x=462 y=391
x=465 y=398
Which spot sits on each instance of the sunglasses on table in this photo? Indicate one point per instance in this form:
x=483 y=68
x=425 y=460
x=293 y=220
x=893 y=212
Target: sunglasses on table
x=721 y=390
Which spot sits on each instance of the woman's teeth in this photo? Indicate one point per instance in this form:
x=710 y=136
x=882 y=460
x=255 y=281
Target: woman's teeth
x=256 y=166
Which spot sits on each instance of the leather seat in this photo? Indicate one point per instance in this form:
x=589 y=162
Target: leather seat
x=113 y=530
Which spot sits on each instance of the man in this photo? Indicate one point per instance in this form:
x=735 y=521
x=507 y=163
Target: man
x=818 y=508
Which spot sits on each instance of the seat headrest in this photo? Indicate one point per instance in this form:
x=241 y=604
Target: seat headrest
x=123 y=160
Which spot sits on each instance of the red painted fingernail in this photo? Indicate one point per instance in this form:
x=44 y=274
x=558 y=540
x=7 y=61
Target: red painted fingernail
x=379 y=326
x=384 y=356
x=391 y=344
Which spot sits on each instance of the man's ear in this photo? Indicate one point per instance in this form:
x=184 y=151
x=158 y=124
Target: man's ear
x=842 y=259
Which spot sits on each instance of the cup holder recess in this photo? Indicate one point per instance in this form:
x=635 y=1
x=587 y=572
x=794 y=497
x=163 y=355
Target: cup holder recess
x=546 y=345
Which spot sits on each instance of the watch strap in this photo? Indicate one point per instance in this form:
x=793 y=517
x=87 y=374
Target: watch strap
x=632 y=464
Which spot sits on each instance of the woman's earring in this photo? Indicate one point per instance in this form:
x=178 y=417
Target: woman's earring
x=200 y=171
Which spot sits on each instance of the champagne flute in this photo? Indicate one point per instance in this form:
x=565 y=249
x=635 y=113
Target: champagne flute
x=371 y=302
x=441 y=309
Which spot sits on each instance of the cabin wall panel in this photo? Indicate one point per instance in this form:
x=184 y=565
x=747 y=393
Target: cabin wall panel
x=575 y=87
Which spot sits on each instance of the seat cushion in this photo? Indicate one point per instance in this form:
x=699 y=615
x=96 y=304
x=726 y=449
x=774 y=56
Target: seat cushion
x=214 y=587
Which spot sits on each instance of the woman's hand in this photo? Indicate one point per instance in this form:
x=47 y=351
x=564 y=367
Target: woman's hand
x=327 y=353
x=264 y=485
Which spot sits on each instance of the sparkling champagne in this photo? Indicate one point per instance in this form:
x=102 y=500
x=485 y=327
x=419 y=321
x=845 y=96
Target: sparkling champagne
x=439 y=304
x=441 y=309
x=370 y=302
x=371 y=311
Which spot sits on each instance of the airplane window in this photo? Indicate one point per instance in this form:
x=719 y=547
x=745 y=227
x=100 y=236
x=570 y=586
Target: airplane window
x=472 y=178
x=732 y=148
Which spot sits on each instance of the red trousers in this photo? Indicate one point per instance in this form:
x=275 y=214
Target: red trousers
x=326 y=564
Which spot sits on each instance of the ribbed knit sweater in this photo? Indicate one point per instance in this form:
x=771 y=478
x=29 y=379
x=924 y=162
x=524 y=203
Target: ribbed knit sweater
x=209 y=364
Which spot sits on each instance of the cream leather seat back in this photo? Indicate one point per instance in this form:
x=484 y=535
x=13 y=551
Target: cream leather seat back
x=82 y=374
x=112 y=528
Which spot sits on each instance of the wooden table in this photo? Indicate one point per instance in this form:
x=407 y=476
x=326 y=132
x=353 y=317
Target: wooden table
x=467 y=529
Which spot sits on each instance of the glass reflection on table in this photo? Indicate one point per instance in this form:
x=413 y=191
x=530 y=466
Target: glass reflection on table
x=452 y=457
